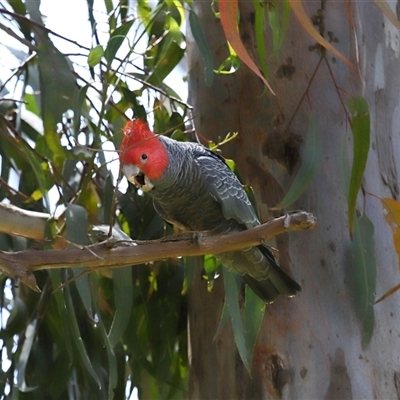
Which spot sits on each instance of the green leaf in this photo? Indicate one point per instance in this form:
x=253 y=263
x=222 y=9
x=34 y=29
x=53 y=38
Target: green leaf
x=364 y=274
x=144 y=12
x=254 y=309
x=260 y=36
x=167 y=60
x=223 y=320
x=76 y=228
x=123 y=298
x=109 y=6
x=228 y=10
x=79 y=106
x=39 y=174
x=108 y=197
x=30 y=103
x=76 y=225
x=30 y=332
x=112 y=361
x=204 y=48
x=55 y=276
x=360 y=126
x=232 y=301
x=308 y=169
x=57 y=81
x=76 y=335
x=116 y=39
x=279 y=22
x=95 y=55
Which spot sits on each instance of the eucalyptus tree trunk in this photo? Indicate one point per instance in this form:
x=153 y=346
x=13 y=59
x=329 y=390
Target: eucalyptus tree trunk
x=310 y=346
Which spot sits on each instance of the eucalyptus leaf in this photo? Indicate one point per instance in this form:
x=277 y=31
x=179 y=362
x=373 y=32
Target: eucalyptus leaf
x=202 y=43
x=364 y=275
x=361 y=128
x=123 y=297
x=231 y=298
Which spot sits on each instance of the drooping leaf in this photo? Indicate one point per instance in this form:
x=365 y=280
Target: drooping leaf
x=308 y=169
x=360 y=126
x=391 y=210
x=201 y=41
x=228 y=11
x=112 y=361
x=231 y=298
x=223 y=320
x=79 y=107
x=260 y=36
x=36 y=166
x=254 y=309
x=76 y=335
x=58 y=87
x=76 y=228
x=76 y=224
x=279 y=17
x=117 y=37
x=167 y=54
x=305 y=21
x=123 y=298
x=178 y=6
x=364 y=274
x=30 y=332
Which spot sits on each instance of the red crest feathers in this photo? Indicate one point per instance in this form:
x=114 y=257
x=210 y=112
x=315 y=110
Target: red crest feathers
x=136 y=131
x=139 y=140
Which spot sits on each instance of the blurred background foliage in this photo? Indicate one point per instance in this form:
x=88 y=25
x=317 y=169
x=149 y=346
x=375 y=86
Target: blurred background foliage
x=61 y=117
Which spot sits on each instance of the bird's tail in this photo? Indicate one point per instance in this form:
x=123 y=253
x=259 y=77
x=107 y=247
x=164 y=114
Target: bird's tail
x=278 y=282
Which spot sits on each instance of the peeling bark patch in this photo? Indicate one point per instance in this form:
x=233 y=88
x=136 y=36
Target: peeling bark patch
x=340 y=383
x=397 y=383
x=271 y=366
x=284 y=150
x=286 y=71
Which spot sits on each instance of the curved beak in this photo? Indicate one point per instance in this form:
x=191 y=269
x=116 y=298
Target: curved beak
x=131 y=171
x=135 y=175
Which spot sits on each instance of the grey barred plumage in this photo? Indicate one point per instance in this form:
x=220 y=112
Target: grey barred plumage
x=198 y=192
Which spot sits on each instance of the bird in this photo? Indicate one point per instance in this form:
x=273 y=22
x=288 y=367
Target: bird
x=193 y=189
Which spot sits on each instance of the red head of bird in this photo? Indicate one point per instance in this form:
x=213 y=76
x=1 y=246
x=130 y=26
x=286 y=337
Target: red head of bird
x=143 y=157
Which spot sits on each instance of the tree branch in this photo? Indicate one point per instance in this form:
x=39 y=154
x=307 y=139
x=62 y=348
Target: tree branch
x=20 y=222
x=21 y=265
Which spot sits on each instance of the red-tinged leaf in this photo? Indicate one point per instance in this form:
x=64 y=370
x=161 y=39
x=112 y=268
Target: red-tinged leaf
x=391 y=16
x=304 y=19
x=228 y=10
x=391 y=209
x=388 y=293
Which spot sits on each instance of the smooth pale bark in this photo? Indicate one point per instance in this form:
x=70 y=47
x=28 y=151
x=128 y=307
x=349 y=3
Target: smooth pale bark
x=310 y=346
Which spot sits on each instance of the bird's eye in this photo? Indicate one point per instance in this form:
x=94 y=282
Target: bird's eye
x=143 y=157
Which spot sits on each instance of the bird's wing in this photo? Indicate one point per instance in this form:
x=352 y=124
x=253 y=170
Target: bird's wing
x=225 y=187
